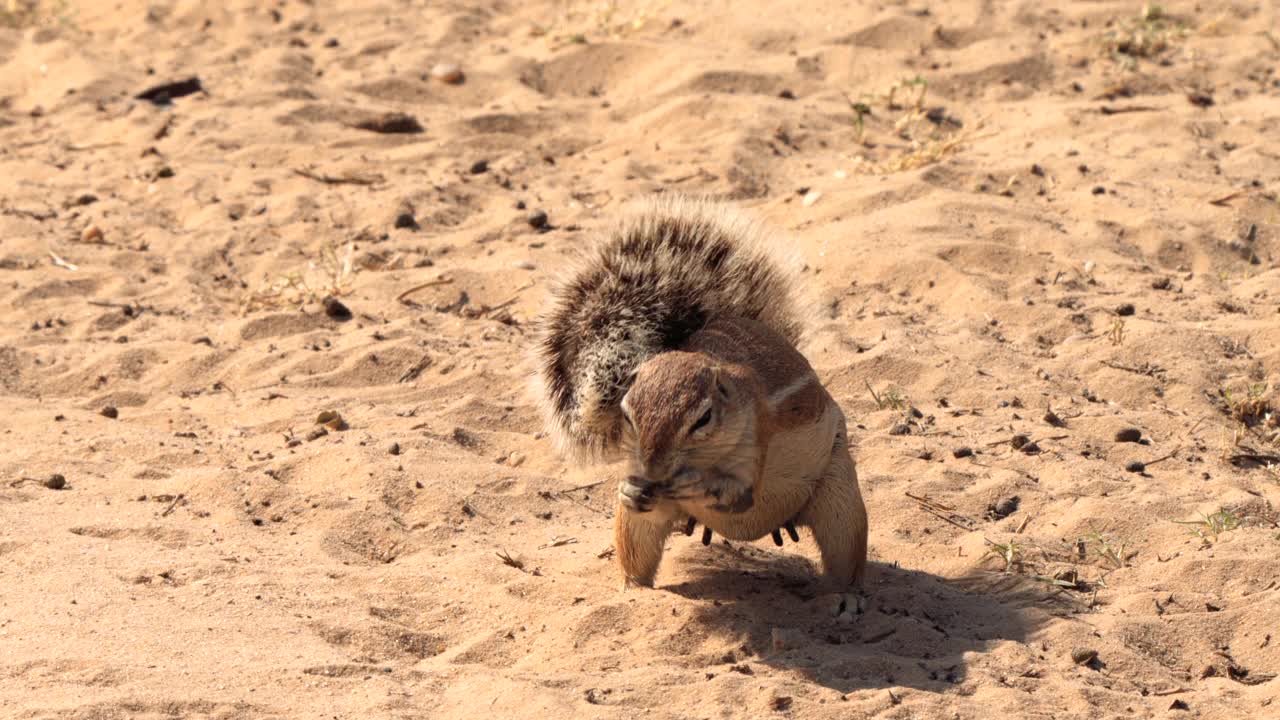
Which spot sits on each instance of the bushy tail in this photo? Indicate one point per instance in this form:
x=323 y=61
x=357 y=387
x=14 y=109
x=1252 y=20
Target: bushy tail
x=666 y=269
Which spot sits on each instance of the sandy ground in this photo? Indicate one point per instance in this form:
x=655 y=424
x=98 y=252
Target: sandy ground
x=1100 y=235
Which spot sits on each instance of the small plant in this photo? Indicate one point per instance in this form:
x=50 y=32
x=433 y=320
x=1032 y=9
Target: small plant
x=860 y=112
x=1010 y=552
x=29 y=13
x=1116 y=332
x=1114 y=555
x=330 y=277
x=890 y=398
x=1149 y=34
x=906 y=85
x=1209 y=528
x=1253 y=407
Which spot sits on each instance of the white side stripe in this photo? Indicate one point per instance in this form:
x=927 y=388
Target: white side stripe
x=780 y=395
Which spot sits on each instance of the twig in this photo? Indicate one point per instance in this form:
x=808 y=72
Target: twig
x=937 y=510
x=438 y=281
x=510 y=561
x=1170 y=691
x=173 y=504
x=1148 y=369
x=340 y=180
x=99 y=146
x=558 y=541
x=1111 y=110
x=412 y=373
x=1225 y=200
x=873 y=393
x=588 y=486
x=62 y=263
x=1163 y=457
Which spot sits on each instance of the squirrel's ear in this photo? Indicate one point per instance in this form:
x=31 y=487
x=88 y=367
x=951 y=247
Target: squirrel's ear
x=716 y=378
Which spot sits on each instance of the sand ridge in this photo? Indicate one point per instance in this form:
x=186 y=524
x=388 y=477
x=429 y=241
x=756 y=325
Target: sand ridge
x=217 y=553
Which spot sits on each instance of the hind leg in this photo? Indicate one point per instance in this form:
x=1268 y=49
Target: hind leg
x=838 y=518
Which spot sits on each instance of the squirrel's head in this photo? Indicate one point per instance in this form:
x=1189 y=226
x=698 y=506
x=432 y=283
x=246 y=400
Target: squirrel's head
x=683 y=414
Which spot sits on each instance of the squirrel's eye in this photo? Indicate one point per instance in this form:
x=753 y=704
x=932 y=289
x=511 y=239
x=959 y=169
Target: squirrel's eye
x=702 y=421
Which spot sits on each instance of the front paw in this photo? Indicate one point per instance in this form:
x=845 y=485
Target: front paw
x=637 y=494
x=729 y=493
x=732 y=500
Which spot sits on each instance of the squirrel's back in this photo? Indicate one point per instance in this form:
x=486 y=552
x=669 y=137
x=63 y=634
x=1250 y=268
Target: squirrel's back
x=666 y=269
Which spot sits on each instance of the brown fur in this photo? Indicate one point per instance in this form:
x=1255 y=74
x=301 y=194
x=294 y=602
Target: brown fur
x=764 y=461
x=665 y=270
x=672 y=344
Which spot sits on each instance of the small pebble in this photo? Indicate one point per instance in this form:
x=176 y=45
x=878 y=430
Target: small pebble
x=109 y=412
x=332 y=420
x=520 y=205
x=1082 y=656
x=448 y=73
x=334 y=308
x=1135 y=467
x=1131 y=435
x=787 y=95
x=811 y=197
x=1099 y=190
x=93 y=233
x=1004 y=508
x=406 y=221
x=1018 y=441
x=55 y=482
x=394 y=448
x=1200 y=99
x=537 y=219
x=525 y=265
x=962 y=452
x=1160 y=283
x=391 y=123
x=479 y=166
x=1125 y=309
x=331 y=42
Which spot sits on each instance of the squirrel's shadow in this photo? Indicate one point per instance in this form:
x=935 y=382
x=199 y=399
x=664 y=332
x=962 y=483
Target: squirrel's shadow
x=915 y=629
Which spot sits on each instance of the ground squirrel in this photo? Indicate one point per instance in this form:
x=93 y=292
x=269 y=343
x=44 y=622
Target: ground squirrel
x=671 y=345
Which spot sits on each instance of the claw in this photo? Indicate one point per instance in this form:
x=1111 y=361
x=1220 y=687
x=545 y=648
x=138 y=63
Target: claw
x=791 y=530
x=777 y=537
x=706 y=535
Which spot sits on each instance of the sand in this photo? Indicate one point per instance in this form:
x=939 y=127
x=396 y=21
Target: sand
x=1058 y=225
